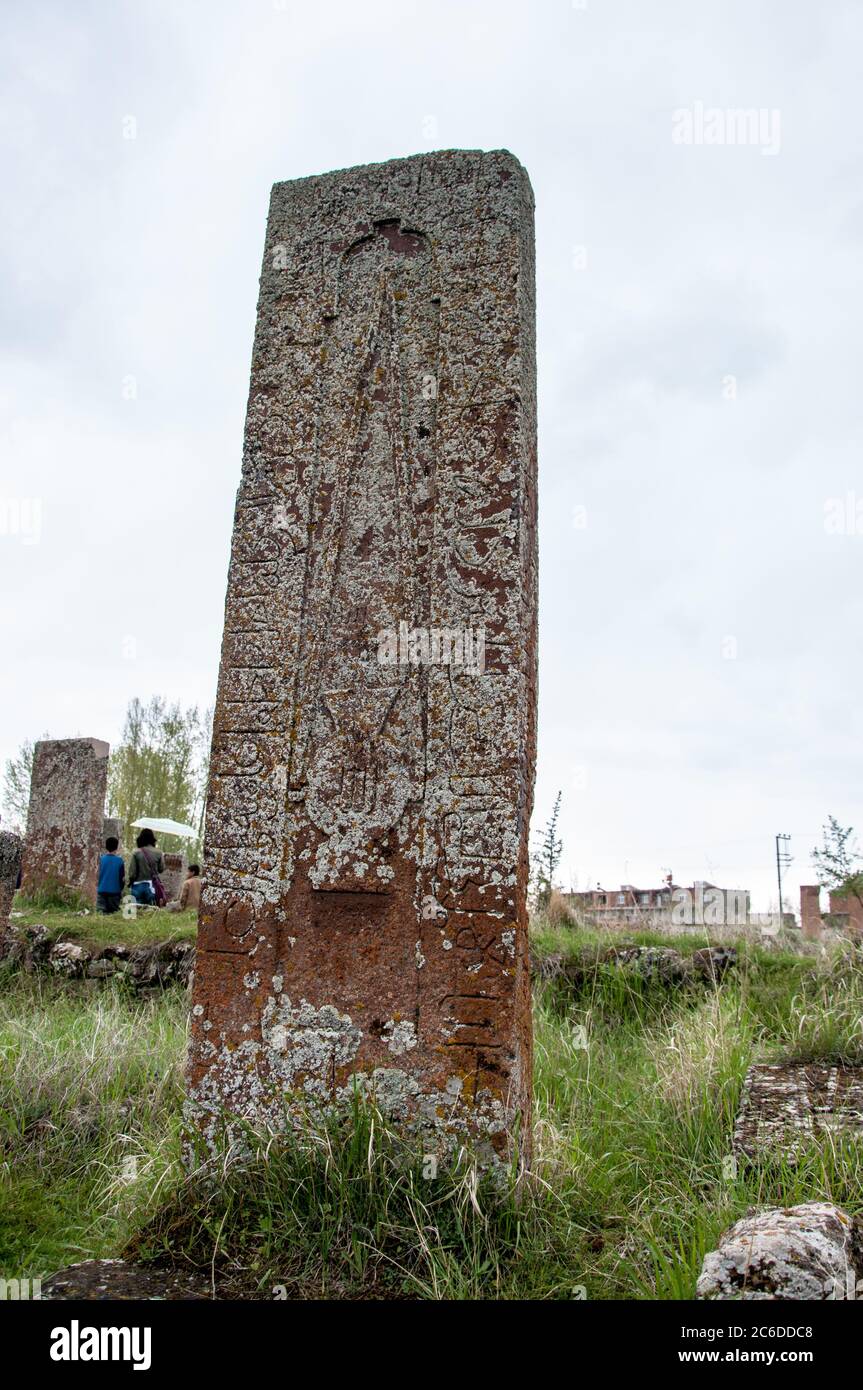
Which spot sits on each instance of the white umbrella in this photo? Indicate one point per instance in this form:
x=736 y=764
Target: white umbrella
x=166 y=827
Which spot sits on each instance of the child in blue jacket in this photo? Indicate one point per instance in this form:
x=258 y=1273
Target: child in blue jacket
x=112 y=876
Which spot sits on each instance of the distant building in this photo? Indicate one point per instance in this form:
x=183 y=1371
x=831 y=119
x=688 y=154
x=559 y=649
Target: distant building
x=702 y=904
x=844 y=913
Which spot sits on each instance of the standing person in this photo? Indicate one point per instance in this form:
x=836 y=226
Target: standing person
x=190 y=893
x=112 y=875
x=145 y=866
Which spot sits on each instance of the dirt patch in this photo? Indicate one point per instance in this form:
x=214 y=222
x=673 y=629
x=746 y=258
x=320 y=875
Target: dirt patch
x=95 y=1280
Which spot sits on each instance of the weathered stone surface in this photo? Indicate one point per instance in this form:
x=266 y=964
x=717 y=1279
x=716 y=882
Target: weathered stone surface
x=68 y=958
x=27 y=947
x=363 y=920
x=10 y=866
x=789 y=1106
x=655 y=964
x=812 y=1251
x=667 y=966
x=100 y=969
x=112 y=825
x=64 y=819
x=174 y=875
x=161 y=964
x=156 y=965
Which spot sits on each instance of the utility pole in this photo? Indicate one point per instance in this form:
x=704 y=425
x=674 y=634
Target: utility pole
x=783 y=859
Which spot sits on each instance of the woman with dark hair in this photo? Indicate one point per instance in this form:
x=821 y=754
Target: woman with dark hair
x=145 y=866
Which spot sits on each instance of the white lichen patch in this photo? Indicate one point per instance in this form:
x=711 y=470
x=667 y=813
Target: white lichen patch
x=392 y=1090
x=399 y=1037
x=443 y=1120
x=306 y=1045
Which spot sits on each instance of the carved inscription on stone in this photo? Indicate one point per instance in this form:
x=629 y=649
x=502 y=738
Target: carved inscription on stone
x=363 y=920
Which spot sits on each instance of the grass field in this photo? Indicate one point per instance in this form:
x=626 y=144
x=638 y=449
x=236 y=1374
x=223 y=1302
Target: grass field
x=636 y=1089
x=150 y=925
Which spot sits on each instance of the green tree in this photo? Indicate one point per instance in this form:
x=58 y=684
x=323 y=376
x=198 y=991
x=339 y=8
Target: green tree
x=547 y=857
x=156 y=768
x=203 y=778
x=16 y=785
x=838 y=861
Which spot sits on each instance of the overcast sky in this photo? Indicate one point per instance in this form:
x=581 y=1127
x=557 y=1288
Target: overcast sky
x=700 y=314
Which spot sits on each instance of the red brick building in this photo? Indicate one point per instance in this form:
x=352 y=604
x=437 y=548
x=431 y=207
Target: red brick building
x=844 y=913
x=670 y=903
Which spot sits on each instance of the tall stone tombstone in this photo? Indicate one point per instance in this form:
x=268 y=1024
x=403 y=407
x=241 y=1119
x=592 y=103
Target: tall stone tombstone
x=112 y=825
x=64 y=819
x=363 y=923
x=10 y=867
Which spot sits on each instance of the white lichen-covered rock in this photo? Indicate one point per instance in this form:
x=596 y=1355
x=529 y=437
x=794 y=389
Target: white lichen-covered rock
x=67 y=958
x=811 y=1251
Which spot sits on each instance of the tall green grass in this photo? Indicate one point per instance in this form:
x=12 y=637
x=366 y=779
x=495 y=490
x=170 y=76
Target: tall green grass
x=90 y=1094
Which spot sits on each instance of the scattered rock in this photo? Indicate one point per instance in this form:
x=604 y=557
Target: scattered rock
x=67 y=958
x=100 y=969
x=27 y=948
x=788 y=1106
x=145 y=967
x=658 y=964
x=811 y=1251
x=712 y=962
x=547 y=967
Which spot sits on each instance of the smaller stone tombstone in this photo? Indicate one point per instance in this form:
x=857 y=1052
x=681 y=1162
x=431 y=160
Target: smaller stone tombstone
x=786 y=1106
x=64 y=819
x=10 y=867
x=112 y=825
x=174 y=875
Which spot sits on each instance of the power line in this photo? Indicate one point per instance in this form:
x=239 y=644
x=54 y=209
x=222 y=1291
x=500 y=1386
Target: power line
x=747 y=840
x=783 y=860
